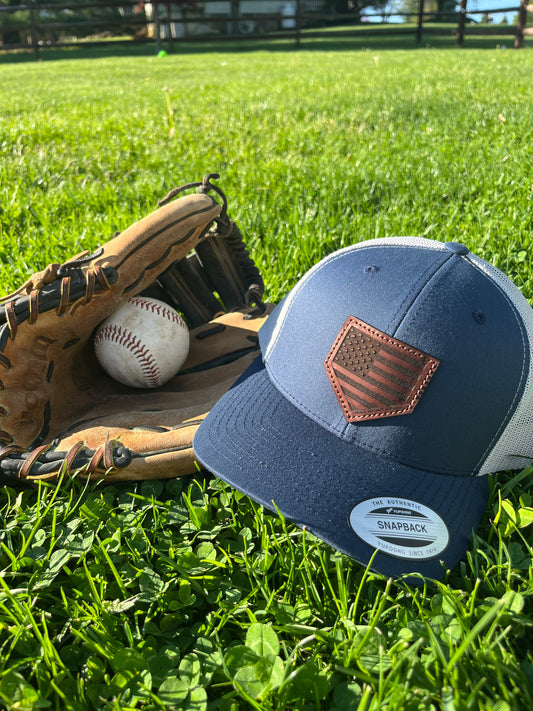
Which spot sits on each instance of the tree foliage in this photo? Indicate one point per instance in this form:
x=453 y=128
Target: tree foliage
x=81 y=19
x=411 y=8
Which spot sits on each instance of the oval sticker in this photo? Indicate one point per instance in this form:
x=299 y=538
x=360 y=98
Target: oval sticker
x=400 y=527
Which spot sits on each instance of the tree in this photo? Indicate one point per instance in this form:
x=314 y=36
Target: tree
x=10 y=21
x=411 y=8
x=355 y=7
x=80 y=19
x=383 y=7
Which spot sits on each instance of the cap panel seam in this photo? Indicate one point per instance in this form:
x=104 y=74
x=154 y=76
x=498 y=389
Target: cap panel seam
x=301 y=284
x=354 y=442
x=293 y=295
x=417 y=304
x=303 y=408
x=514 y=403
x=422 y=284
x=516 y=398
x=413 y=463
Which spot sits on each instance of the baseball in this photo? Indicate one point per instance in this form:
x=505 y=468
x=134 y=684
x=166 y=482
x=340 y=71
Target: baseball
x=142 y=344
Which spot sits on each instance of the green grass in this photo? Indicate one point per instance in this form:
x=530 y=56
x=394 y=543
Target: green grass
x=185 y=594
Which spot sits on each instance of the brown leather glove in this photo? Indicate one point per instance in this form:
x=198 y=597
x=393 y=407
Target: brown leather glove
x=59 y=411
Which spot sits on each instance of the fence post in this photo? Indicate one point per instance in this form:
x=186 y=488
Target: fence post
x=460 y=34
x=157 y=26
x=298 y=22
x=33 y=32
x=234 y=17
x=420 y=21
x=170 y=37
x=521 y=25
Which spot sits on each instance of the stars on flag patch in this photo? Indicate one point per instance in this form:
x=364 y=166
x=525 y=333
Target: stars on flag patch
x=375 y=375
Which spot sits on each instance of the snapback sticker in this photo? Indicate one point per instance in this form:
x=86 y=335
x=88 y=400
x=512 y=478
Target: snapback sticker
x=400 y=527
x=375 y=375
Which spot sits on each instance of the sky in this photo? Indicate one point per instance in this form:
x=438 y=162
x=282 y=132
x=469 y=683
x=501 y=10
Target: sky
x=487 y=5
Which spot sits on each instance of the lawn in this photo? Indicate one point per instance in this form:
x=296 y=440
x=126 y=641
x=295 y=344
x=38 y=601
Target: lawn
x=184 y=594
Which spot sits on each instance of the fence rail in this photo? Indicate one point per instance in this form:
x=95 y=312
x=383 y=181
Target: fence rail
x=39 y=26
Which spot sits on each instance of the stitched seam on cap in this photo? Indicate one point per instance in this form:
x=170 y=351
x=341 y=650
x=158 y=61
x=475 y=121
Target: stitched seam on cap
x=517 y=397
x=370 y=244
x=288 y=396
x=369 y=448
x=425 y=280
x=294 y=295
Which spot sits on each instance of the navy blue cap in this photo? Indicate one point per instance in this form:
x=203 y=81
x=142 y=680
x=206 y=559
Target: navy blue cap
x=392 y=379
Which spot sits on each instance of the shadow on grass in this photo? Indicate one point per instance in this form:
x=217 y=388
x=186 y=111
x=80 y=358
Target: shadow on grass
x=335 y=40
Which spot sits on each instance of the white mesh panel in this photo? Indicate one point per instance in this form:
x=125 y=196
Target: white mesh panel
x=514 y=449
x=399 y=242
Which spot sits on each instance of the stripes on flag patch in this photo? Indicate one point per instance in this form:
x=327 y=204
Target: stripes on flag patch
x=375 y=375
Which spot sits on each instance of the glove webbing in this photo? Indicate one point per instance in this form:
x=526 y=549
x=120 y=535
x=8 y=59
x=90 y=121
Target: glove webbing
x=220 y=266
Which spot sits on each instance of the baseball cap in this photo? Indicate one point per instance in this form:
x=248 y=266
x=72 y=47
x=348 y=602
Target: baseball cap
x=393 y=378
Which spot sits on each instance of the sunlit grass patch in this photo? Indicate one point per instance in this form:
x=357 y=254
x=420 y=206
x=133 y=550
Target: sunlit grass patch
x=185 y=594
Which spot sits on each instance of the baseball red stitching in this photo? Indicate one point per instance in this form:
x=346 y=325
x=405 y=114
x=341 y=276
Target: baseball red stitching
x=126 y=338
x=159 y=309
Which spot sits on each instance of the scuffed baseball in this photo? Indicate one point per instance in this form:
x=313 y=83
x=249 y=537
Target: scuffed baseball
x=142 y=344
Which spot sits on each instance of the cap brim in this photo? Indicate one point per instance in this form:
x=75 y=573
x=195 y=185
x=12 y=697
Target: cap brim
x=258 y=442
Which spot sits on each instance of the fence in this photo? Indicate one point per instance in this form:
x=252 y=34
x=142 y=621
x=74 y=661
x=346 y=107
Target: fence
x=36 y=25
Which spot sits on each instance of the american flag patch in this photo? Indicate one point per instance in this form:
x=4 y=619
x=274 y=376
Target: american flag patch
x=375 y=375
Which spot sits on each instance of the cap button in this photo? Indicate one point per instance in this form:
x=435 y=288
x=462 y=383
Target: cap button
x=456 y=248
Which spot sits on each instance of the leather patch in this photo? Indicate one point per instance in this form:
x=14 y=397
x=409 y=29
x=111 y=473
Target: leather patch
x=375 y=375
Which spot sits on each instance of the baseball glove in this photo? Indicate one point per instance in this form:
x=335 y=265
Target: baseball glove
x=60 y=412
